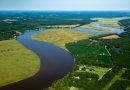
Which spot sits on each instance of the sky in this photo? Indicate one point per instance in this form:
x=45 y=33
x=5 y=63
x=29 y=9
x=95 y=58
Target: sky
x=65 y=5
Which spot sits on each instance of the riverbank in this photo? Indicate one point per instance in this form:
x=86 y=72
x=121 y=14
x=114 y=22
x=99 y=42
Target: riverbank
x=16 y=62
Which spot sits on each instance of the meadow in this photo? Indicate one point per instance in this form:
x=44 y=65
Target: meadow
x=60 y=37
x=16 y=62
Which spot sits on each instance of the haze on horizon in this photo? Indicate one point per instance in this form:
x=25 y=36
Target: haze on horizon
x=66 y=5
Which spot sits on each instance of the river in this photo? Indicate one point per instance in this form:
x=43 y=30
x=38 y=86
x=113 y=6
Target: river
x=55 y=62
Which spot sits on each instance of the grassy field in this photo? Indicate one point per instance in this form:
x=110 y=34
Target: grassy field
x=16 y=62
x=61 y=37
x=101 y=71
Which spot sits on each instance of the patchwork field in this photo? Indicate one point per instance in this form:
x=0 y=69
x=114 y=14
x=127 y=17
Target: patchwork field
x=16 y=62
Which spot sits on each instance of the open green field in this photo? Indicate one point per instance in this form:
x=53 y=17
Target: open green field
x=60 y=37
x=16 y=62
x=101 y=71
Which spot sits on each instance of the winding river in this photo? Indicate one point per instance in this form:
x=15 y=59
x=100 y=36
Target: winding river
x=55 y=63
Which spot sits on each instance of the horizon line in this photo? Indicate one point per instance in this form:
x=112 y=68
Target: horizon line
x=67 y=10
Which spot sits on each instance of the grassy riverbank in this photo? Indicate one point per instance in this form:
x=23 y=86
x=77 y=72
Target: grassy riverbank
x=16 y=62
x=60 y=37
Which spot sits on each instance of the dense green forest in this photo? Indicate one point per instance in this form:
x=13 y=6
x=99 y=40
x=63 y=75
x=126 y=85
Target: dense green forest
x=92 y=52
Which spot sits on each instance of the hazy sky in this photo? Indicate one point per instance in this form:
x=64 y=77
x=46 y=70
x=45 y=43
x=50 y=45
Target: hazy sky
x=65 y=5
